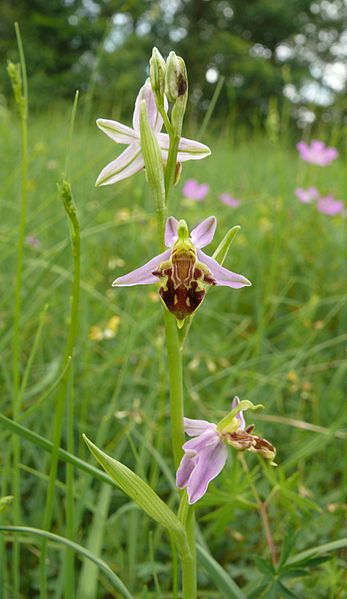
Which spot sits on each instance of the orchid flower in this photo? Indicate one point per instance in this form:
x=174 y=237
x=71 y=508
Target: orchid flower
x=194 y=190
x=328 y=205
x=131 y=160
x=184 y=271
x=228 y=200
x=205 y=455
x=306 y=196
x=317 y=152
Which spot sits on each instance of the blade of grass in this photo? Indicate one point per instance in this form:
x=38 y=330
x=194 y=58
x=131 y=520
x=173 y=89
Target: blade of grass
x=117 y=584
x=228 y=588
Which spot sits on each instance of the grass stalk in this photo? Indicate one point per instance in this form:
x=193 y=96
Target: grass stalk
x=22 y=101
x=69 y=206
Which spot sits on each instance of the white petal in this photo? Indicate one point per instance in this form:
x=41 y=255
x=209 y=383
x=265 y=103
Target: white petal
x=118 y=132
x=188 y=149
x=154 y=117
x=127 y=164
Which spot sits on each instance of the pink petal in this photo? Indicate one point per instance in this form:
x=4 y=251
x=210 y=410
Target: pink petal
x=116 y=131
x=185 y=469
x=330 y=206
x=211 y=461
x=208 y=438
x=154 y=117
x=171 y=231
x=142 y=275
x=239 y=416
x=222 y=275
x=203 y=234
x=188 y=149
x=193 y=427
x=228 y=200
x=128 y=163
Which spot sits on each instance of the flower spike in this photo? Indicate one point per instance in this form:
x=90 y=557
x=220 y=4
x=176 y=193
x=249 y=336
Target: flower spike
x=184 y=271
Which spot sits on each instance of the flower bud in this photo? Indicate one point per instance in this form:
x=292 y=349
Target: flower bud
x=157 y=70
x=176 y=80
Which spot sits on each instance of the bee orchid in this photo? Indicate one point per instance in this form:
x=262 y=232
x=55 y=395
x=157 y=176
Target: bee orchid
x=184 y=270
x=205 y=455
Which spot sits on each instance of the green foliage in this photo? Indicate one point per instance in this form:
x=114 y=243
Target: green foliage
x=280 y=343
x=101 y=48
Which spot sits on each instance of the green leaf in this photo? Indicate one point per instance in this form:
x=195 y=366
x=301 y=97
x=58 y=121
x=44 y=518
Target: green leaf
x=224 y=583
x=140 y=492
x=222 y=250
x=286 y=592
x=317 y=551
x=265 y=566
x=112 y=578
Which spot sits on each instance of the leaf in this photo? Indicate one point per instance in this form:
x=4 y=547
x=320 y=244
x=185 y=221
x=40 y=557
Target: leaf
x=286 y=592
x=112 y=578
x=224 y=583
x=265 y=566
x=317 y=551
x=140 y=492
x=222 y=250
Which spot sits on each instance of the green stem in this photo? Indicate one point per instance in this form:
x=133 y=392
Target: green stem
x=175 y=353
x=171 y=164
x=176 y=386
x=186 y=514
x=16 y=342
x=61 y=396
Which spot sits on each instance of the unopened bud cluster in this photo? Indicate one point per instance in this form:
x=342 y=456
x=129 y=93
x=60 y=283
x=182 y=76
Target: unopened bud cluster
x=170 y=79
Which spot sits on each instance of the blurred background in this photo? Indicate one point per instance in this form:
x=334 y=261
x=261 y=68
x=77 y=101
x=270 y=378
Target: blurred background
x=267 y=50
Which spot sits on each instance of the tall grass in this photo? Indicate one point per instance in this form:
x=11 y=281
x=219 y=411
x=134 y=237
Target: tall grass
x=281 y=343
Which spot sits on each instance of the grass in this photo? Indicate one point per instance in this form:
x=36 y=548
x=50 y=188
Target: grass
x=281 y=342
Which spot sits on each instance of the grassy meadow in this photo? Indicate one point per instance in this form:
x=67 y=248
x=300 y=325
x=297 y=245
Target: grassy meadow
x=281 y=342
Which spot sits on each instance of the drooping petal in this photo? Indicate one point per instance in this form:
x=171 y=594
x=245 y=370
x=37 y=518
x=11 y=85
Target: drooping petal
x=154 y=118
x=171 y=231
x=209 y=438
x=222 y=275
x=142 y=275
x=188 y=149
x=117 y=131
x=128 y=163
x=203 y=234
x=185 y=469
x=211 y=461
x=193 y=427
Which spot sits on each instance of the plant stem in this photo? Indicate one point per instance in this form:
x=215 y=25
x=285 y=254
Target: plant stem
x=171 y=164
x=175 y=353
x=189 y=583
x=16 y=342
x=62 y=393
x=176 y=386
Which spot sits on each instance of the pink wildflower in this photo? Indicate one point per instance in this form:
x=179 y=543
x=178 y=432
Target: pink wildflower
x=228 y=200
x=306 y=196
x=194 y=190
x=317 y=152
x=328 y=205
